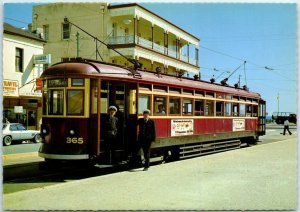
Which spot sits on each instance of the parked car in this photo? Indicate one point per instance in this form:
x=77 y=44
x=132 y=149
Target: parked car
x=17 y=132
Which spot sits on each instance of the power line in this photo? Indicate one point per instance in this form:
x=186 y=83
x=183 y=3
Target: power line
x=12 y=19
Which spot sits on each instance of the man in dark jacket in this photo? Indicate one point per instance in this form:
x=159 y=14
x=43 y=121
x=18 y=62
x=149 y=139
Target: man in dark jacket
x=111 y=128
x=146 y=136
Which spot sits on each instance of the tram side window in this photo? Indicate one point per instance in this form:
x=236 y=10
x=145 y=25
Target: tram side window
x=248 y=110
x=94 y=96
x=255 y=110
x=174 y=106
x=209 y=108
x=199 y=107
x=187 y=107
x=56 y=106
x=45 y=102
x=220 y=108
x=159 y=105
x=242 y=110
x=75 y=102
x=228 y=109
x=235 y=109
x=144 y=103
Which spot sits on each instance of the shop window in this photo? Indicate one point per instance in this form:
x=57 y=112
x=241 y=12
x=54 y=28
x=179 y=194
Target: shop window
x=209 y=108
x=174 y=106
x=144 y=103
x=75 y=102
x=66 y=31
x=187 y=106
x=19 y=59
x=56 y=103
x=199 y=107
x=228 y=107
x=235 y=109
x=242 y=110
x=220 y=108
x=159 y=105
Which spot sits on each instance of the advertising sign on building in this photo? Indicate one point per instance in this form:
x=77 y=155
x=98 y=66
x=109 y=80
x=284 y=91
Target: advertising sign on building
x=38 y=84
x=42 y=59
x=10 y=88
x=18 y=109
x=181 y=127
x=238 y=124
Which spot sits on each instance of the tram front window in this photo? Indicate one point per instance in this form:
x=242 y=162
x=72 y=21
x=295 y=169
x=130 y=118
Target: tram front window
x=75 y=102
x=56 y=105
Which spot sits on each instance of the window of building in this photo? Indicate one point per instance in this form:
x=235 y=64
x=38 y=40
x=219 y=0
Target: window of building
x=220 y=108
x=242 y=110
x=143 y=103
x=75 y=102
x=19 y=59
x=56 y=103
x=199 y=107
x=159 y=105
x=235 y=109
x=187 y=106
x=228 y=109
x=46 y=32
x=209 y=108
x=66 y=31
x=174 y=106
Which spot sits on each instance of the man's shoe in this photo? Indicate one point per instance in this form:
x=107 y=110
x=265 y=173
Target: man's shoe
x=145 y=169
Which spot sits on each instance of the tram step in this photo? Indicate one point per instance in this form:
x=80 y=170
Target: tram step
x=208 y=152
x=209 y=144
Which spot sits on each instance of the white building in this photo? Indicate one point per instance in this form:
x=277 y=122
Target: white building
x=131 y=29
x=20 y=84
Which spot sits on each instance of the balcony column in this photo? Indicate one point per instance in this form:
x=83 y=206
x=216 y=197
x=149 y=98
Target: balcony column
x=152 y=32
x=167 y=42
x=176 y=47
x=196 y=55
x=188 y=52
x=138 y=29
x=134 y=29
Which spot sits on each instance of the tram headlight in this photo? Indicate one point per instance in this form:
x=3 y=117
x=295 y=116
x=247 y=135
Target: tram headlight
x=72 y=132
x=44 y=131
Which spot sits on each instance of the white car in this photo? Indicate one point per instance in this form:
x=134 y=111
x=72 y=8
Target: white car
x=17 y=132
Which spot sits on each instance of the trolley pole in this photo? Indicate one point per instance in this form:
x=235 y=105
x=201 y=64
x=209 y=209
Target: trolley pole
x=278 y=102
x=78 y=41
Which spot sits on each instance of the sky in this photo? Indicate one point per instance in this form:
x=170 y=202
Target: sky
x=263 y=35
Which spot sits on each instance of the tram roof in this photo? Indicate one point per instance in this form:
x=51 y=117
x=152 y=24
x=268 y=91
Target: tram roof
x=96 y=69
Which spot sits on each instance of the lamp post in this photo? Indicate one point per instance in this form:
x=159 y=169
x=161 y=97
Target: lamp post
x=278 y=102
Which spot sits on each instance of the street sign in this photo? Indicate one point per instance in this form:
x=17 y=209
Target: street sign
x=42 y=59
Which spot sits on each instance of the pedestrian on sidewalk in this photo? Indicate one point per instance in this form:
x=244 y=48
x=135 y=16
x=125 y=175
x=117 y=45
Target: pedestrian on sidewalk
x=146 y=136
x=286 y=126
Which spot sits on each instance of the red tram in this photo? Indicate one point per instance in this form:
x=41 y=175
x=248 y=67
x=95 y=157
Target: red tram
x=198 y=118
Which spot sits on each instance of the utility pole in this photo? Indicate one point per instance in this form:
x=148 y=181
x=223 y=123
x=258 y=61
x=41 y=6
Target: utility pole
x=78 y=41
x=278 y=102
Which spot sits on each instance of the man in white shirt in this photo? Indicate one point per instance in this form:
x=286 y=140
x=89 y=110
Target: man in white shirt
x=286 y=127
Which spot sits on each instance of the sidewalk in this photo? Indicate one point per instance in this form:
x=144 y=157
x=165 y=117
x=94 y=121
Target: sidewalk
x=262 y=177
x=12 y=159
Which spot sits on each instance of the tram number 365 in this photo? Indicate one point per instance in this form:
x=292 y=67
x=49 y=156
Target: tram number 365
x=74 y=140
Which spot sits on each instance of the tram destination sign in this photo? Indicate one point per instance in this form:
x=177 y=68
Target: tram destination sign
x=238 y=124
x=181 y=127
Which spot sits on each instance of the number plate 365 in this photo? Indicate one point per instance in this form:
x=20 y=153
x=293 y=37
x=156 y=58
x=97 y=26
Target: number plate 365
x=70 y=140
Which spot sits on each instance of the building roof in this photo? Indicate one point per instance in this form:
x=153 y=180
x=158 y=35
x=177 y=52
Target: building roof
x=135 y=4
x=9 y=29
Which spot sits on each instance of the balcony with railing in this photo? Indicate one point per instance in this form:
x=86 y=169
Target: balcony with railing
x=137 y=40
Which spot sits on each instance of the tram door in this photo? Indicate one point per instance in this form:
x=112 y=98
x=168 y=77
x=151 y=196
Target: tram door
x=123 y=96
x=262 y=117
